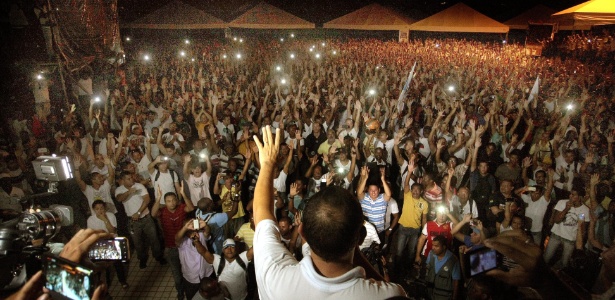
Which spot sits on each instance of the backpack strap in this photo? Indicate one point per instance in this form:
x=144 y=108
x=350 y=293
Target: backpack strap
x=157 y=175
x=221 y=265
x=170 y=171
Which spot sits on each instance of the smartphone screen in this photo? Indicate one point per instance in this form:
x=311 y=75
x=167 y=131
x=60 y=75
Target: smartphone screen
x=110 y=249
x=68 y=280
x=482 y=260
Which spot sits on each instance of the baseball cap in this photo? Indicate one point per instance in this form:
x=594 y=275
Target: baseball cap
x=228 y=243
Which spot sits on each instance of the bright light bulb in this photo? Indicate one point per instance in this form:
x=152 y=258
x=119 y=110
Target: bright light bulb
x=182 y=53
x=192 y=59
x=437 y=45
x=334 y=52
x=235 y=38
x=278 y=68
x=451 y=88
x=187 y=42
x=97 y=99
x=238 y=55
x=569 y=107
x=224 y=56
x=146 y=57
x=281 y=39
x=39 y=76
x=292 y=35
x=317 y=55
x=283 y=81
x=372 y=92
x=128 y=39
x=503 y=41
x=241 y=40
x=311 y=49
x=323 y=44
x=292 y=55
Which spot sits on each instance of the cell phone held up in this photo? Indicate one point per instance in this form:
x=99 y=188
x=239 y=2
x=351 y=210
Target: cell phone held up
x=116 y=249
x=481 y=260
x=68 y=280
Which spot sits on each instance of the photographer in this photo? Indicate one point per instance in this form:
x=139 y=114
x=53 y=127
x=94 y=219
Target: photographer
x=74 y=251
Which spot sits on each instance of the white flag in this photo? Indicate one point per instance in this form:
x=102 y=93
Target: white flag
x=404 y=91
x=534 y=91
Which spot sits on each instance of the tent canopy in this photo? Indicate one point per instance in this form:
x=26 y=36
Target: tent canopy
x=371 y=17
x=177 y=15
x=541 y=14
x=536 y=14
x=595 y=12
x=459 y=18
x=267 y=16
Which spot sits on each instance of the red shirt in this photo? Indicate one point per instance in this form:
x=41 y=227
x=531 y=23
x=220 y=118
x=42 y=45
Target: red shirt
x=171 y=223
x=434 y=229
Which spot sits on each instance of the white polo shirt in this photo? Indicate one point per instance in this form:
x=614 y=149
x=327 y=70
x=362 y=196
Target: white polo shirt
x=103 y=193
x=277 y=270
x=98 y=224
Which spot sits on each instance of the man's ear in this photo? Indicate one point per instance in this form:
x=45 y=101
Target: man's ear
x=362 y=235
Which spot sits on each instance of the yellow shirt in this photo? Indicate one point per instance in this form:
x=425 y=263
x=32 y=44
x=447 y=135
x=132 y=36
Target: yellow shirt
x=227 y=205
x=412 y=212
x=324 y=147
x=246 y=233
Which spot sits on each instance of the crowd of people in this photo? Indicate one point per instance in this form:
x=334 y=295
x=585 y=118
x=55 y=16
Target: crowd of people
x=163 y=153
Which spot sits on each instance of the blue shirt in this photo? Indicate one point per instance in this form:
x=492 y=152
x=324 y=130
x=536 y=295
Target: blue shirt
x=375 y=210
x=456 y=274
x=216 y=222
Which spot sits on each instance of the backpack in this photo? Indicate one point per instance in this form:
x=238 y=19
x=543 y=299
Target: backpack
x=173 y=175
x=222 y=264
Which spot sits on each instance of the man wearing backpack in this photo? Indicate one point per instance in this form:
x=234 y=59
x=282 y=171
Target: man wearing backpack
x=164 y=179
x=230 y=268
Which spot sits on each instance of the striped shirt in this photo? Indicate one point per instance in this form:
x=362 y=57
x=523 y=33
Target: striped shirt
x=375 y=210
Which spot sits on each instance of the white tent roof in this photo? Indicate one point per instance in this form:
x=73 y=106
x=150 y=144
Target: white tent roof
x=372 y=17
x=459 y=18
x=267 y=16
x=177 y=15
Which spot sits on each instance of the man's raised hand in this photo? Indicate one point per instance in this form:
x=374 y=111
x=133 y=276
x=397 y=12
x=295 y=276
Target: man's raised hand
x=268 y=149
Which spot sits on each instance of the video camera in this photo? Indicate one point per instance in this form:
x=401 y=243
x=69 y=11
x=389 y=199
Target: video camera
x=23 y=239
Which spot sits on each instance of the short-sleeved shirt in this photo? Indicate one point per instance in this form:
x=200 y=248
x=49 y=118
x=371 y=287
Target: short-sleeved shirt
x=458 y=211
x=432 y=229
x=392 y=208
x=216 y=223
x=413 y=211
x=277 y=270
x=374 y=210
x=171 y=223
x=133 y=204
x=103 y=193
x=194 y=266
x=233 y=275
x=199 y=187
x=98 y=224
x=567 y=228
x=246 y=234
x=371 y=237
x=456 y=273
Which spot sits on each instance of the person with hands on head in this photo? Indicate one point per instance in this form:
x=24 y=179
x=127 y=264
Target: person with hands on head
x=191 y=244
x=331 y=224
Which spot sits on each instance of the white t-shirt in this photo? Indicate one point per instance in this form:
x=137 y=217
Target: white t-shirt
x=280 y=182
x=167 y=137
x=233 y=275
x=133 y=203
x=568 y=227
x=164 y=184
x=371 y=237
x=392 y=208
x=535 y=210
x=103 y=193
x=458 y=211
x=277 y=270
x=98 y=224
x=352 y=132
x=199 y=188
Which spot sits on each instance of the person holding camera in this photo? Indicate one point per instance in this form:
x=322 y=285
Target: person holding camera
x=104 y=220
x=192 y=242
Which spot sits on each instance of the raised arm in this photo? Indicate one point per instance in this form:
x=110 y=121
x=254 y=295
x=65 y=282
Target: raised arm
x=362 y=182
x=263 y=192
